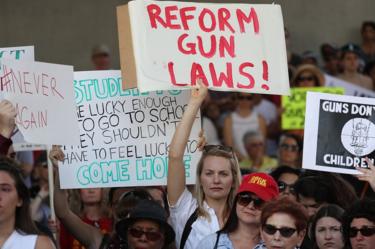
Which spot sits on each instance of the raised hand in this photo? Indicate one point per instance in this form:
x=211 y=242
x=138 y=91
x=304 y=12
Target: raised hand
x=56 y=154
x=367 y=175
x=7 y=118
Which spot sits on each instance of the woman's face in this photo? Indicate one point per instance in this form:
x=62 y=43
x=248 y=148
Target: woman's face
x=306 y=79
x=248 y=208
x=245 y=100
x=216 y=177
x=288 y=151
x=286 y=183
x=9 y=199
x=328 y=234
x=145 y=234
x=284 y=238
x=91 y=195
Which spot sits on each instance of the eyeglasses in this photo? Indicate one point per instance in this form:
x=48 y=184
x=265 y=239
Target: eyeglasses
x=289 y=147
x=150 y=235
x=286 y=232
x=210 y=147
x=308 y=78
x=242 y=97
x=283 y=186
x=365 y=231
x=245 y=199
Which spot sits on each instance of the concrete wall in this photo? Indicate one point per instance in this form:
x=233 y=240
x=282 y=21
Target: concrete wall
x=65 y=31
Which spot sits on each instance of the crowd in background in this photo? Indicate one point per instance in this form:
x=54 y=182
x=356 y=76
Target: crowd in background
x=250 y=192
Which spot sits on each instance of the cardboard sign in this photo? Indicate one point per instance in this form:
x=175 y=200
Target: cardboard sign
x=42 y=94
x=339 y=132
x=294 y=106
x=17 y=53
x=350 y=88
x=232 y=47
x=124 y=135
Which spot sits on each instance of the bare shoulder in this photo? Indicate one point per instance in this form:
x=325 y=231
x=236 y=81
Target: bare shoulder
x=44 y=242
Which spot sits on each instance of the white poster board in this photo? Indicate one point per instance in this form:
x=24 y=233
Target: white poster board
x=350 y=88
x=124 y=135
x=43 y=96
x=17 y=53
x=339 y=132
x=232 y=47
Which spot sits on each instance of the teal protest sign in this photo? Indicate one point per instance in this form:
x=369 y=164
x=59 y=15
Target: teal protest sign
x=124 y=134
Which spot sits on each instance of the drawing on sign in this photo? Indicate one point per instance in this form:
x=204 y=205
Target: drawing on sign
x=355 y=136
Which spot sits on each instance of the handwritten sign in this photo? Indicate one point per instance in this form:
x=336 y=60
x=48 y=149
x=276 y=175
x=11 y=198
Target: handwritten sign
x=124 y=135
x=293 y=116
x=350 y=88
x=17 y=53
x=43 y=96
x=339 y=132
x=232 y=47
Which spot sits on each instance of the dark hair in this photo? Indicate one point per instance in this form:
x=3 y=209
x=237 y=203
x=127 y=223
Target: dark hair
x=329 y=210
x=366 y=24
x=284 y=169
x=369 y=66
x=296 y=138
x=326 y=188
x=360 y=209
x=285 y=206
x=23 y=221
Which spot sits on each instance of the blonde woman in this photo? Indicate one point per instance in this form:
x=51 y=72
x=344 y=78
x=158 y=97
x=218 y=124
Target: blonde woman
x=218 y=176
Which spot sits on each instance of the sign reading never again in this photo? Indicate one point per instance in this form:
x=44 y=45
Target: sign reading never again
x=343 y=136
x=125 y=134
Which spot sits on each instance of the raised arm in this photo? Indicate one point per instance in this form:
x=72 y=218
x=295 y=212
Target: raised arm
x=176 y=168
x=87 y=235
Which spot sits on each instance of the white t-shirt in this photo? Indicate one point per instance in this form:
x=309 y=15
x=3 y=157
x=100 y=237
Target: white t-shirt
x=17 y=240
x=202 y=227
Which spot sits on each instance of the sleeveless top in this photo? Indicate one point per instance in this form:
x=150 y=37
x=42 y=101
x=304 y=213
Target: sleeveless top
x=242 y=125
x=19 y=240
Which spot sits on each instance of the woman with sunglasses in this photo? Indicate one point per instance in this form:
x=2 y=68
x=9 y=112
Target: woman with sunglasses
x=146 y=226
x=242 y=229
x=242 y=120
x=283 y=224
x=308 y=75
x=325 y=230
x=289 y=150
x=217 y=179
x=286 y=177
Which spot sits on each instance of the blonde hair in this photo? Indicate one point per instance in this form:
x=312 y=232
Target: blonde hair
x=76 y=204
x=236 y=174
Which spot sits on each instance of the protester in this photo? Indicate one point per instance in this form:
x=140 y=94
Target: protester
x=256 y=159
x=218 y=177
x=368 y=40
x=308 y=75
x=286 y=177
x=242 y=229
x=359 y=225
x=315 y=189
x=290 y=150
x=326 y=231
x=17 y=230
x=283 y=224
x=146 y=226
x=92 y=208
x=101 y=57
x=350 y=55
x=330 y=55
x=244 y=119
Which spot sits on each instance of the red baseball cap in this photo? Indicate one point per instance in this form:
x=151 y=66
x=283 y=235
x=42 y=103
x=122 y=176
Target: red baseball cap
x=261 y=184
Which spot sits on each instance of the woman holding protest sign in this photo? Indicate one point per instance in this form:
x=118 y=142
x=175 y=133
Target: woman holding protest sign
x=17 y=230
x=242 y=229
x=218 y=177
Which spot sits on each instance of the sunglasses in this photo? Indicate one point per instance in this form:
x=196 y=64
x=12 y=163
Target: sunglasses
x=308 y=78
x=246 y=199
x=286 y=232
x=283 y=186
x=289 y=147
x=365 y=231
x=150 y=235
x=241 y=97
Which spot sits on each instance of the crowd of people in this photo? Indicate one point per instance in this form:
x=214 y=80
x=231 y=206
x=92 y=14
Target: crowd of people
x=250 y=189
